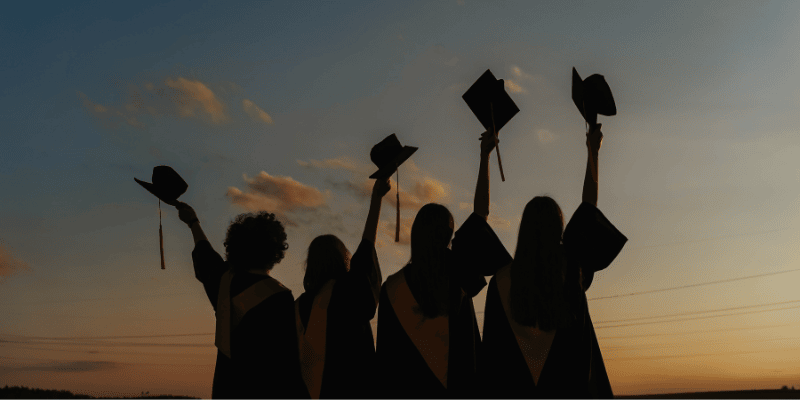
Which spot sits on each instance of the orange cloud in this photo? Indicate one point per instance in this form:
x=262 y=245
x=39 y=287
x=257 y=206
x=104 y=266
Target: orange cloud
x=10 y=265
x=177 y=97
x=514 y=87
x=388 y=228
x=194 y=95
x=255 y=112
x=291 y=200
x=345 y=163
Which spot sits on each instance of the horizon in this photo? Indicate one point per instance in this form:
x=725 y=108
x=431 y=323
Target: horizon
x=276 y=106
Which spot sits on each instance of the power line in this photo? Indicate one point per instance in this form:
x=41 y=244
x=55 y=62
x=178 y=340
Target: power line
x=695 y=318
x=182 y=355
x=710 y=239
x=745 y=328
x=694 y=285
x=698 y=312
x=697 y=355
x=107 y=298
x=667 y=346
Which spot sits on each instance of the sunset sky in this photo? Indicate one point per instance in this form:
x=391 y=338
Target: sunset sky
x=275 y=105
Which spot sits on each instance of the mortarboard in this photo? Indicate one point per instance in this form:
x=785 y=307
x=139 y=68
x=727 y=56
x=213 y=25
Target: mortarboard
x=592 y=239
x=592 y=96
x=388 y=155
x=488 y=100
x=167 y=185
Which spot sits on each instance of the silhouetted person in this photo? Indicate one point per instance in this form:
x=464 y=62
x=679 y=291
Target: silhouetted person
x=256 y=339
x=538 y=338
x=427 y=331
x=337 y=353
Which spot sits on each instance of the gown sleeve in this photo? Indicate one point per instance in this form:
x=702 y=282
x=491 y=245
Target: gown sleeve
x=478 y=252
x=591 y=241
x=208 y=269
x=360 y=287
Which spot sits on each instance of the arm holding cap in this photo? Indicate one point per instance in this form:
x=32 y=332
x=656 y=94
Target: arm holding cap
x=481 y=201
x=379 y=189
x=594 y=139
x=187 y=214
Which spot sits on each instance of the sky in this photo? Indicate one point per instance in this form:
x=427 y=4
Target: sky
x=275 y=105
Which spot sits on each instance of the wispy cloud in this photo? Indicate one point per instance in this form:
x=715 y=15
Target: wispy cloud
x=178 y=97
x=10 y=265
x=345 y=163
x=70 y=366
x=293 y=202
x=255 y=112
x=193 y=97
x=514 y=87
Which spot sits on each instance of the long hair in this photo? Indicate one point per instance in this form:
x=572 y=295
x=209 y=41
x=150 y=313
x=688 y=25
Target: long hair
x=539 y=267
x=327 y=259
x=255 y=241
x=428 y=272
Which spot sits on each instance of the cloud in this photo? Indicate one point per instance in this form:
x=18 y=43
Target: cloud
x=255 y=112
x=514 y=87
x=524 y=76
x=345 y=163
x=292 y=201
x=388 y=228
x=10 y=265
x=545 y=136
x=193 y=96
x=179 y=97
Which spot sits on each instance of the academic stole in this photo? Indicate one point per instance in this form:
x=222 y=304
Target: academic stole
x=230 y=311
x=431 y=336
x=312 y=339
x=529 y=339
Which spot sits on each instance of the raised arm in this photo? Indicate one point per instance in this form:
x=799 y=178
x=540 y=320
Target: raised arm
x=189 y=217
x=594 y=139
x=481 y=202
x=379 y=190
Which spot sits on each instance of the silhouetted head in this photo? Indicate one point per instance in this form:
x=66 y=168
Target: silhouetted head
x=539 y=266
x=428 y=272
x=328 y=259
x=255 y=242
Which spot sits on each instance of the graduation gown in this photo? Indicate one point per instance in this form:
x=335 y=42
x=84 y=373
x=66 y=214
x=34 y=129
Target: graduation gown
x=349 y=347
x=404 y=370
x=573 y=367
x=263 y=345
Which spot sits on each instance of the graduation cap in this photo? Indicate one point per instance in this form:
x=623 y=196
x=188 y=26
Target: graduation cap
x=592 y=96
x=388 y=155
x=488 y=100
x=167 y=185
x=592 y=239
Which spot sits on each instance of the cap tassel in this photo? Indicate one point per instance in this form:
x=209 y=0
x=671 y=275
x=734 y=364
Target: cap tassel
x=161 y=235
x=397 y=227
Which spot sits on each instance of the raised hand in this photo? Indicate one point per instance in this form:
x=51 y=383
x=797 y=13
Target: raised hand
x=488 y=143
x=594 y=138
x=186 y=213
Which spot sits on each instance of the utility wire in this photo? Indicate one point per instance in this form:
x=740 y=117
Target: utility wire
x=695 y=318
x=694 y=285
x=745 y=328
x=697 y=312
x=709 y=239
x=697 y=355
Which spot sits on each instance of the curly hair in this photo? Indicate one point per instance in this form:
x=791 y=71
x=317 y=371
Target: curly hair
x=255 y=241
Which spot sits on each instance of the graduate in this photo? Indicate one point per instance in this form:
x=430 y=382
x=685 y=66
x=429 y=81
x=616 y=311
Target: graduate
x=256 y=333
x=427 y=332
x=337 y=353
x=538 y=338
